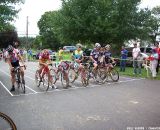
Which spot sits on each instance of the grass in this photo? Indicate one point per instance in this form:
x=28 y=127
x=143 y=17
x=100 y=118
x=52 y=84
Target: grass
x=129 y=72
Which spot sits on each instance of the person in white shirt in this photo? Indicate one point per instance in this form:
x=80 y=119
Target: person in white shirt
x=135 y=54
x=153 y=62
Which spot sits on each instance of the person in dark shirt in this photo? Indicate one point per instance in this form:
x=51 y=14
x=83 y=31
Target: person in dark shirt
x=124 y=54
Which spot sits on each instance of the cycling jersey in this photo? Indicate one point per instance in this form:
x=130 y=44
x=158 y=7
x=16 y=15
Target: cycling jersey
x=95 y=54
x=44 y=58
x=78 y=54
x=13 y=56
x=107 y=55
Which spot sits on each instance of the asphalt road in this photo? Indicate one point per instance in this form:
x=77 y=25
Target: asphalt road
x=130 y=104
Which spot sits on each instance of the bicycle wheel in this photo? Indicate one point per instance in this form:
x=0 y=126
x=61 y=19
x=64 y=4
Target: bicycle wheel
x=53 y=77
x=114 y=75
x=6 y=123
x=22 y=85
x=102 y=74
x=85 y=78
x=37 y=79
x=45 y=81
x=72 y=75
x=64 y=81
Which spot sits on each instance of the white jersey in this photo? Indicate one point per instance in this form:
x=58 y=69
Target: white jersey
x=13 y=56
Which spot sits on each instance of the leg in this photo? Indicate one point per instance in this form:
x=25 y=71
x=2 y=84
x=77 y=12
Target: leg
x=13 y=80
x=134 y=66
x=157 y=68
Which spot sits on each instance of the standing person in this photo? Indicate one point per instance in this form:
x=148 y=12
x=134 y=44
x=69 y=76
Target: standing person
x=29 y=55
x=124 y=54
x=157 y=48
x=135 y=54
x=153 y=58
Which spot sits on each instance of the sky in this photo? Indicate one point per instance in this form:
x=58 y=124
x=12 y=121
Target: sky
x=35 y=8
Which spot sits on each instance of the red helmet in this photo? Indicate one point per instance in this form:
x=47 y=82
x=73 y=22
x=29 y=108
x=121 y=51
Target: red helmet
x=45 y=53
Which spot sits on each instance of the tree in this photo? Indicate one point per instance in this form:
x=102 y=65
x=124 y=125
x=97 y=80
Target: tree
x=48 y=31
x=104 y=21
x=7 y=38
x=8 y=13
x=154 y=24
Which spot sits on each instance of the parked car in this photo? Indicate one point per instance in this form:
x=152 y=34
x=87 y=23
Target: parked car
x=53 y=56
x=69 y=48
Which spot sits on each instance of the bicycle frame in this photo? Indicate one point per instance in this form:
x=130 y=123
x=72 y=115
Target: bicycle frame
x=17 y=74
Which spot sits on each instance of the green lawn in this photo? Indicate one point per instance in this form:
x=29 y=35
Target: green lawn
x=129 y=72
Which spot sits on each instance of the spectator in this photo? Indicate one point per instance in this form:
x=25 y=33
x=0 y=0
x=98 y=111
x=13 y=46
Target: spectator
x=157 y=48
x=124 y=54
x=29 y=54
x=153 y=58
x=135 y=54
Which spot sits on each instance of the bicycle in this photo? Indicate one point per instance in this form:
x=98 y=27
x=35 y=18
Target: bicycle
x=109 y=71
x=20 y=83
x=6 y=123
x=45 y=79
x=61 y=72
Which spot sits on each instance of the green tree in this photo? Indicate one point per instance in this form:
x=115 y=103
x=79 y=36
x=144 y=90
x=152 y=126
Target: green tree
x=48 y=31
x=7 y=13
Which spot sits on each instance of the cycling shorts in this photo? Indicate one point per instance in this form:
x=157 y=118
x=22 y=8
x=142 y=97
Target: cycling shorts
x=15 y=64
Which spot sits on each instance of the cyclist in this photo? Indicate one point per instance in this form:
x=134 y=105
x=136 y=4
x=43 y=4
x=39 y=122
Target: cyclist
x=108 y=56
x=94 y=56
x=13 y=58
x=44 y=61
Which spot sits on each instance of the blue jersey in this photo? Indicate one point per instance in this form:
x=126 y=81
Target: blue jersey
x=95 y=54
x=107 y=55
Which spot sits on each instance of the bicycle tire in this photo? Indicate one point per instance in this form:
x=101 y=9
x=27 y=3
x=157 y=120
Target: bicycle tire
x=9 y=121
x=85 y=78
x=112 y=73
x=64 y=82
x=45 y=81
x=21 y=83
x=102 y=74
x=72 y=75
x=37 y=79
x=54 y=76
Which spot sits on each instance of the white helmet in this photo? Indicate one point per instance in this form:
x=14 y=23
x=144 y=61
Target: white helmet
x=97 y=45
x=108 y=46
x=79 y=45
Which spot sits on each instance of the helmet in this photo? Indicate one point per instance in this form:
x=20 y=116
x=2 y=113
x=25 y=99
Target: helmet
x=97 y=45
x=79 y=45
x=45 y=52
x=10 y=48
x=108 y=46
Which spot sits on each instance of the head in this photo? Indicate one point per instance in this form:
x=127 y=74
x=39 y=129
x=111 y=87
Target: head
x=79 y=47
x=108 y=47
x=135 y=45
x=10 y=49
x=156 y=44
x=97 y=46
x=16 y=44
x=123 y=47
x=45 y=53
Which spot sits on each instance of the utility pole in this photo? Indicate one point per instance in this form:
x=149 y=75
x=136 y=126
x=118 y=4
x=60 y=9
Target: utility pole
x=27 y=38
x=27 y=32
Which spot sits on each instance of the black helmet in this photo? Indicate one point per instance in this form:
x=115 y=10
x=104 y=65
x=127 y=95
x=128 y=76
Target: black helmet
x=10 y=48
